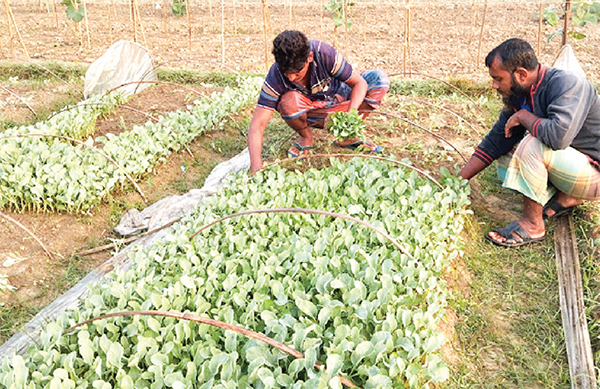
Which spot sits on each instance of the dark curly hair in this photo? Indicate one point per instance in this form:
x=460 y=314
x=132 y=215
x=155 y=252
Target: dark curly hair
x=513 y=53
x=291 y=50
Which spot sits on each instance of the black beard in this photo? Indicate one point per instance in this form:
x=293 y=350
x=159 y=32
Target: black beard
x=513 y=102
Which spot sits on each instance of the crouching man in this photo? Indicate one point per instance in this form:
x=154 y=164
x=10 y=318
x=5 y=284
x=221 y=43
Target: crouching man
x=309 y=80
x=546 y=140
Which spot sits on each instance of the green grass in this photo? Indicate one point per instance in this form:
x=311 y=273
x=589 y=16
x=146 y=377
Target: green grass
x=42 y=71
x=194 y=77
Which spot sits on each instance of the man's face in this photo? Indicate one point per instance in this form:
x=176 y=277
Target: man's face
x=300 y=74
x=506 y=84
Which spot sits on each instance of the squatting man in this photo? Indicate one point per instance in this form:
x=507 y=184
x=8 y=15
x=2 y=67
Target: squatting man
x=309 y=80
x=546 y=140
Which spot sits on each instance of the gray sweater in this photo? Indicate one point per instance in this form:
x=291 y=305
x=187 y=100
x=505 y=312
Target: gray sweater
x=569 y=112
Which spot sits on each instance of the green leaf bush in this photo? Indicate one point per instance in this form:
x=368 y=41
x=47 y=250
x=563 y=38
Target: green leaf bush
x=49 y=174
x=330 y=288
x=347 y=125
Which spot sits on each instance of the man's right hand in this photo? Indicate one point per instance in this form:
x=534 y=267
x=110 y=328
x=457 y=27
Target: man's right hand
x=259 y=122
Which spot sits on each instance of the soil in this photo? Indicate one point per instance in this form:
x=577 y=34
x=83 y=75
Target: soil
x=445 y=37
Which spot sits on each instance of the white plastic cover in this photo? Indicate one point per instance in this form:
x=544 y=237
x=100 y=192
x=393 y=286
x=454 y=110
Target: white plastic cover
x=123 y=62
x=566 y=60
x=173 y=207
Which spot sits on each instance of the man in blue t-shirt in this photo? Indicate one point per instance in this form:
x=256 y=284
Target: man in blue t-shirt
x=309 y=80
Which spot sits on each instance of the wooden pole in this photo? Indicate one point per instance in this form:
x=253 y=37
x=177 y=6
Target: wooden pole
x=264 y=16
x=55 y=13
x=290 y=4
x=165 y=4
x=481 y=32
x=11 y=44
x=87 y=27
x=12 y=18
x=223 y=31
x=132 y=19
x=210 y=8
x=570 y=287
x=188 y=9
x=139 y=21
x=567 y=17
x=406 y=66
x=108 y=8
x=541 y=19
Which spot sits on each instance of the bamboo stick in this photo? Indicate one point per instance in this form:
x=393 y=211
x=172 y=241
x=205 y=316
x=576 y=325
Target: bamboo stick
x=55 y=13
x=188 y=11
x=139 y=21
x=481 y=32
x=87 y=27
x=12 y=17
x=567 y=17
x=108 y=8
x=132 y=19
x=223 y=31
x=165 y=4
x=28 y=233
x=264 y=16
x=210 y=8
x=539 y=49
x=11 y=44
x=290 y=5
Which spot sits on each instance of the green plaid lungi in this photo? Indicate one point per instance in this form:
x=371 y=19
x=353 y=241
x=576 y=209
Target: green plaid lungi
x=537 y=171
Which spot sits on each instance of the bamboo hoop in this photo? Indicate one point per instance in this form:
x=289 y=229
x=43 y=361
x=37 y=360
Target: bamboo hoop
x=21 y=226
x=440 y=80
x=459 y=117
x=308 y=211
x=155 y=82
x=264 y=17
x=438 y=137
x=87 y=27
x=215 y=323
x=20 y=98
x=485 y=8
x=124 y=107
x=369 y=156
x=191 y=59
x=85 y=145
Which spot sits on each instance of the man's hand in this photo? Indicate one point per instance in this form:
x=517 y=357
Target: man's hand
x=359 y=90
x=259 y=122
x=520 y=118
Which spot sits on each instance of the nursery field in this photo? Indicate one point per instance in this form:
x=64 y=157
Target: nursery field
x=413 y=297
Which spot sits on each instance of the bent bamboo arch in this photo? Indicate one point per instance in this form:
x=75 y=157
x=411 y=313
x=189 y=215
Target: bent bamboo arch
x=307 y=211
x=345 y=155
x=85 y=145
x=215 y=323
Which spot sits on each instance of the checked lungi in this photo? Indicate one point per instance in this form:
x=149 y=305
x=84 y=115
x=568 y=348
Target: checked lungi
x=537 y=171
x=294 y=104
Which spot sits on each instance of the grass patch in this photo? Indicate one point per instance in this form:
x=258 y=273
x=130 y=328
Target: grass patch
x=42 y=71
x=194 y=77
